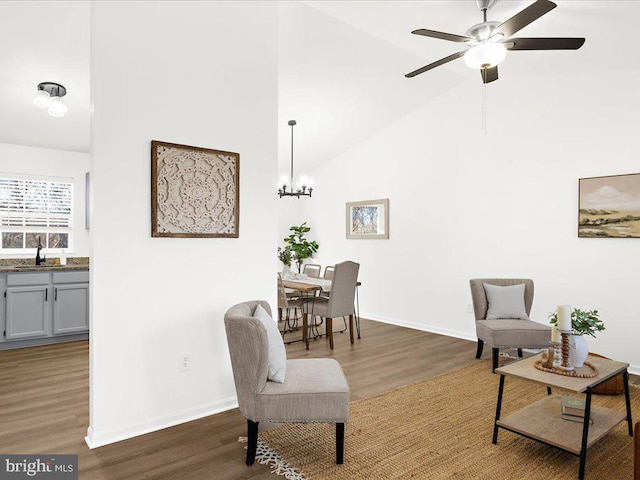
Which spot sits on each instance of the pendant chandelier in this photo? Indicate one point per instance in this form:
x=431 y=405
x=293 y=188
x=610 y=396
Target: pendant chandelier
x=303 y=186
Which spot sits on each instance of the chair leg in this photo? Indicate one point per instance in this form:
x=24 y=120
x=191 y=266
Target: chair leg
x=357 y=312
x=520 y=352
x=305 y=326
x=339 y=443
x=329 y=329
x=252 y=434
x=480 y=347
x=494 y=358
x=351 y=328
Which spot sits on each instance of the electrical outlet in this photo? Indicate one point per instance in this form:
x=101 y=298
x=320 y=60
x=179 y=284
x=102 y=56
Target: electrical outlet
x=185 y=361
x=469 y=308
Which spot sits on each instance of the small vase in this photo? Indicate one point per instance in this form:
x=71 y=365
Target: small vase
x=578 y=350
x=286 y=270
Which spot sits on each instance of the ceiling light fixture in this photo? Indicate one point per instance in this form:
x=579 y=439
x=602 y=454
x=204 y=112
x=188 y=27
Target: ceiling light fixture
x=304 y=184
x=49 y=95
x=485 y=55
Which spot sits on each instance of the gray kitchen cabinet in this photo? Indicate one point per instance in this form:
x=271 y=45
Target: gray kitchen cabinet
x=27 y=312
x=70 y=308
x=39 y=308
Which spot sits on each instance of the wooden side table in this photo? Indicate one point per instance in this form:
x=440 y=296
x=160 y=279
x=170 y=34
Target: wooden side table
x=541 y=421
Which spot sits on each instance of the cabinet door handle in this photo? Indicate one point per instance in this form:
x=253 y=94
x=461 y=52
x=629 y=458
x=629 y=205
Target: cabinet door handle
x=55 y=295
x=46 y=294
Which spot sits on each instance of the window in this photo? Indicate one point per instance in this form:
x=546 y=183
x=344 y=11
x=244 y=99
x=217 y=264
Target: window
x=35 y=211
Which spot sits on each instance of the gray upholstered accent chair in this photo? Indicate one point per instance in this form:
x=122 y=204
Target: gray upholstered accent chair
x=315 y=390
x=341 y=301
x=506 y=333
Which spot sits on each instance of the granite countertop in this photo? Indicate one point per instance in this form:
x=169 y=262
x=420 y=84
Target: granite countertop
x=52 y=264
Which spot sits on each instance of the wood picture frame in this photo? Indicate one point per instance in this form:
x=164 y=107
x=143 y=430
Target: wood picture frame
x=609 y=207
x=368 y=219
x=195 y=192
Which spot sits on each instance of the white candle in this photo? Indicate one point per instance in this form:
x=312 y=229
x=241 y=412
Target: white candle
x=564 y=317
x=555 y=335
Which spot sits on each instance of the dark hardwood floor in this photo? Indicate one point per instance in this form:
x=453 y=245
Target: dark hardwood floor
x=44 y=404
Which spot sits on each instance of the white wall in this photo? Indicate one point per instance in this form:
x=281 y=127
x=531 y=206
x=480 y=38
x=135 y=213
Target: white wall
x=464 y=204
x=65 y=165
x=196 y=73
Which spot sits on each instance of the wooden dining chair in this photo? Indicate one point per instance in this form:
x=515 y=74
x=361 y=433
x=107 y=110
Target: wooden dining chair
x=341 y=301
x=312 y=270
x=286 y=305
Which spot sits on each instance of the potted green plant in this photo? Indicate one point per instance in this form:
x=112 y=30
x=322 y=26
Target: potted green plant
x=583 y=322
x=300 y=247
x=284 y=255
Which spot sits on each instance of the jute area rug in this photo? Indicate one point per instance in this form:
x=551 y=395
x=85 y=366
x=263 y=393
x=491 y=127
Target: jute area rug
x=442 y=428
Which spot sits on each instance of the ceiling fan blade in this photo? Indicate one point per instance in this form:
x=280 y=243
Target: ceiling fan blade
x=489 y=74
x=441 y=35
x=525 y=17
x=544 y=43
x=442 y=61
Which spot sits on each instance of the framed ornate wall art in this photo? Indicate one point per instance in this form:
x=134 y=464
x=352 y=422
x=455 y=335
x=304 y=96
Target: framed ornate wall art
x=609 y=206
x=368 y=219
x=195 y=192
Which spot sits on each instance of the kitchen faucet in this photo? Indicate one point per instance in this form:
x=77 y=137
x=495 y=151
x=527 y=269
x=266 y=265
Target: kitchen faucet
x=38 y=259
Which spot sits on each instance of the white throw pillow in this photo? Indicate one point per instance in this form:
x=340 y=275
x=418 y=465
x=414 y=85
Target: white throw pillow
x=505 y=302
x=277 y=353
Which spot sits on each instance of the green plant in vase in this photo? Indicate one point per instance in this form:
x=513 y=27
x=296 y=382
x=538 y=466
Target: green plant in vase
x=300 y=247
x=583 y=322
x=284 y=255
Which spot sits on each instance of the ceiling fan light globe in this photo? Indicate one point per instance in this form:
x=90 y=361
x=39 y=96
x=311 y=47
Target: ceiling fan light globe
x=42 y=99
x=57 y=108
x=485 y=55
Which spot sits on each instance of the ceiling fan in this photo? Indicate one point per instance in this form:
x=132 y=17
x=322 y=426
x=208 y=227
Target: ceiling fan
x=488 y=42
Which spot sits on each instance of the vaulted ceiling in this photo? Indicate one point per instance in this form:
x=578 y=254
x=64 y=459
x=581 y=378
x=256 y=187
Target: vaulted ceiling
x=341 y=65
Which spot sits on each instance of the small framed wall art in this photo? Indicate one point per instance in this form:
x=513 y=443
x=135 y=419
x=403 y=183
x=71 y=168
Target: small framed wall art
x=609 y=207
x=368 y=219
x=195 y=192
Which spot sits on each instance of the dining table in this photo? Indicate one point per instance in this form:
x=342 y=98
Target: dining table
x=309 y=287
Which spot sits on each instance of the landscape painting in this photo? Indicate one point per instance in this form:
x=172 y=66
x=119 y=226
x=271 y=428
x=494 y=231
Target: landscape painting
x=609 y=207
x=368 y=219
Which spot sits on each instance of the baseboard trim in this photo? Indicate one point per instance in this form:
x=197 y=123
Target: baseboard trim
x=420 y=326
x=100 y=439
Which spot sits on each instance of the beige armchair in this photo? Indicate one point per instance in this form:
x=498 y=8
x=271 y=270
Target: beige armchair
x=506 y=332
x=315 y=390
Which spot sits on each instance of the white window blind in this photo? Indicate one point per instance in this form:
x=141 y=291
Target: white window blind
x=31 y=208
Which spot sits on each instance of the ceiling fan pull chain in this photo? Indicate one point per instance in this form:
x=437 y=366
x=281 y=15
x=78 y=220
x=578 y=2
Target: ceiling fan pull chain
x=484 y=108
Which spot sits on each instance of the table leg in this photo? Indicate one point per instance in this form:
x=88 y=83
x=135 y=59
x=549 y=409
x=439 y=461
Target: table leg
x=625 y=376
x=498 y=407
x=585 y=434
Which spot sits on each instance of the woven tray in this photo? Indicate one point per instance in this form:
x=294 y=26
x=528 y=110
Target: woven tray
x=586 y=371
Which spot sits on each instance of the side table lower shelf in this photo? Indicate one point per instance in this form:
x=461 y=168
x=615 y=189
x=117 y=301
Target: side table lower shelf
x=542 y=421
